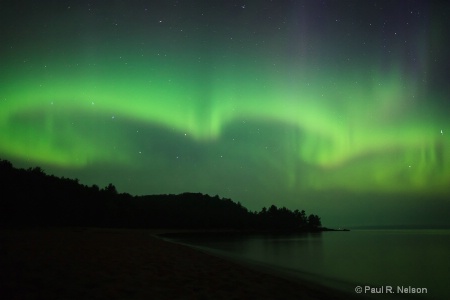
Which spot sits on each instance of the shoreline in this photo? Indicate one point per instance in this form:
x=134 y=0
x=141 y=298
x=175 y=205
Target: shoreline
x=314 y=283
x=94 y=263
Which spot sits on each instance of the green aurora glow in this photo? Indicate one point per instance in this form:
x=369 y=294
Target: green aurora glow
x=297 y=122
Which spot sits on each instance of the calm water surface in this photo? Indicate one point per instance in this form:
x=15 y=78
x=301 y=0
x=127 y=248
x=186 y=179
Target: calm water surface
x=375 y=258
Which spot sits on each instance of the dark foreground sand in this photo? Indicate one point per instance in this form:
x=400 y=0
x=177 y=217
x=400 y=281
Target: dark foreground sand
x=129 y=264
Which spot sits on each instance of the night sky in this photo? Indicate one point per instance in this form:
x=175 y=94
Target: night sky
x=340 y=108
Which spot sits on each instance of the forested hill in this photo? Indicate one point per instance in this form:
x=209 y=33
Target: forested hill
x=29 y=197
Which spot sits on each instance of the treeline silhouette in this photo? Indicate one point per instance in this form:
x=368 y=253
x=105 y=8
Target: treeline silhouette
x=29 y=197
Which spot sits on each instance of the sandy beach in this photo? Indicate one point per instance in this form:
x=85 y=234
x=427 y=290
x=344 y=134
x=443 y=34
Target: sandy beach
x=129 y=264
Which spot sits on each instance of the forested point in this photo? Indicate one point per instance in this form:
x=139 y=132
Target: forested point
x=31 y=198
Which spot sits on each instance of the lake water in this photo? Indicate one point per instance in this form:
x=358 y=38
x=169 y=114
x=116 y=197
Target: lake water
x=377 y=259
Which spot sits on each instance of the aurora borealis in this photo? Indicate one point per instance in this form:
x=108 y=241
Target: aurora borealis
x=310 y=104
